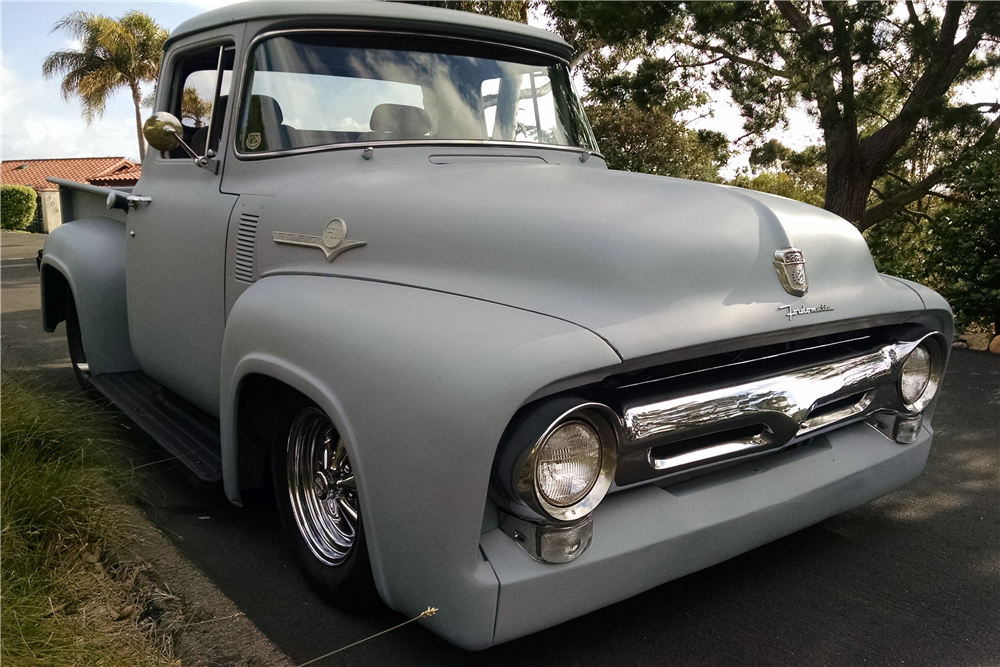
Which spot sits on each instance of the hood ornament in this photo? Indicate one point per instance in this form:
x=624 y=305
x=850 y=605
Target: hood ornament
x=333 y=243
x=791 y=268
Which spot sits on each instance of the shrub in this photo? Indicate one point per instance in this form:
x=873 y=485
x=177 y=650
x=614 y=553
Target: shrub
x=966 y=254
x=17 y=206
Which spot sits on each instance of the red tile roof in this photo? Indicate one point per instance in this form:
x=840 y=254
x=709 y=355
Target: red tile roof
x=126 y=176
x=106 y=170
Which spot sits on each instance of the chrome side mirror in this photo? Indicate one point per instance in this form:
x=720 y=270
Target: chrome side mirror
x=163 y=132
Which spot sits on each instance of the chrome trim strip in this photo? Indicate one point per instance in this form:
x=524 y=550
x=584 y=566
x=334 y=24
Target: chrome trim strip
x=706 y=453
x=816 y=423
x=445 y=142
x=362 y=145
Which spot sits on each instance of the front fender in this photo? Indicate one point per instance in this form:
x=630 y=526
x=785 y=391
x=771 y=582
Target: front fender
x=421 y=386
x=89 y=255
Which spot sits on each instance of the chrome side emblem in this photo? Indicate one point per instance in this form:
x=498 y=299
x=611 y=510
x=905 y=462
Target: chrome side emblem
x=791 y=268
x=333 y=242
x=253 y=140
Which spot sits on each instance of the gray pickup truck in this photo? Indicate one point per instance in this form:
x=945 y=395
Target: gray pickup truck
x=391 y=277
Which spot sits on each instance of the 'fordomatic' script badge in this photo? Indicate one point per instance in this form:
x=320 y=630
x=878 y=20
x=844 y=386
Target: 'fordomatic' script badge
x=332 y=243
x=791 y=268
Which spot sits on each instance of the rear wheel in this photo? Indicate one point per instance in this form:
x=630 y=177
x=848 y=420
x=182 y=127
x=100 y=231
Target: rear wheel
x=77 y=357
x=318 y=500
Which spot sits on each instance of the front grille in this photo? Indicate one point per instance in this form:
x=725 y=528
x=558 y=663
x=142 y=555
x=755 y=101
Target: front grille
x=699 y=415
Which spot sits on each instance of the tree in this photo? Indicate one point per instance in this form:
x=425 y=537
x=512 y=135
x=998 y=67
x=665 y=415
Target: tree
x=779 y=170
x=195 y=108
x=872 y=73
x=512 y=10
x=637 y=100
x=114 y=54
x=652 y=141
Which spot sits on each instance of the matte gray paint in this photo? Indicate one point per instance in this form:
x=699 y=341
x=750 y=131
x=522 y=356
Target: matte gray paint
x=90 y=254
x=421 y=386
x=647 y=536
x=646 y=262
x=379 y=16
x=176 y=286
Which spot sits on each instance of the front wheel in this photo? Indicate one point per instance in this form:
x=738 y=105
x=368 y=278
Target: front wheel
x=318 y=499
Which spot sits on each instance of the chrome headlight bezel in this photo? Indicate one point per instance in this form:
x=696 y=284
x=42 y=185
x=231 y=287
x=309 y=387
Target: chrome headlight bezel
x=516 y=469
x=934 y=344
x=528 y=485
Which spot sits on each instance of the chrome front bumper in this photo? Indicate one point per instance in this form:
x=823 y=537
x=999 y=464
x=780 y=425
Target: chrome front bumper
x=688 y=432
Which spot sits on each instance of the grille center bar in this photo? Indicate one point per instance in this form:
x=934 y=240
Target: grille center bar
x=781 y=404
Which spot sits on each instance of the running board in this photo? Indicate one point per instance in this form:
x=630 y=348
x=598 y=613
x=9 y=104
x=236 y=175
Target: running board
x=173 y=423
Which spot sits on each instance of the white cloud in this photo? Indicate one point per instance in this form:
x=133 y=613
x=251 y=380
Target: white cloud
x=38 y=123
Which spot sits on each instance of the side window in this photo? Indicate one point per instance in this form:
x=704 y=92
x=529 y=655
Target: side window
x=200 y=96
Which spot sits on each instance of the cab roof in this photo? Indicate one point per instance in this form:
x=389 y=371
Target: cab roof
x=383 y=16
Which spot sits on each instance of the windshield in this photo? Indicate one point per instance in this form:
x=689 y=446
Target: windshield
x=318 y=89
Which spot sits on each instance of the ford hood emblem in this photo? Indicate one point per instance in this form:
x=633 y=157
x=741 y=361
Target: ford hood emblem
x=791 y=268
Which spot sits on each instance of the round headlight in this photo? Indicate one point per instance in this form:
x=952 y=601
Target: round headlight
x=568 y=463
x=916 y=374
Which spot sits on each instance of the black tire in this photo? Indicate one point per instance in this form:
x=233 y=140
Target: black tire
x=344 y=579
x=77 y=356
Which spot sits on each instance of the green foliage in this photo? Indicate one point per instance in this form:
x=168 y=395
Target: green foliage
x=636 y=96
x=901 y=247
x=877 y=80
x=114 y=55
x=953 y=246
x=17 y=206
x=779 y=183
x=57 y=501
x=512 y=10
x=796 y=175
x=653 y=142
x=966 y=255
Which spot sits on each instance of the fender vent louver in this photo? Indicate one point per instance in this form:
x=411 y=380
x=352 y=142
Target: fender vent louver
x=246 y=241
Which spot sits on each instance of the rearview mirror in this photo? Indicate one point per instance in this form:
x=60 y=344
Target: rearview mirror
x=163 y=131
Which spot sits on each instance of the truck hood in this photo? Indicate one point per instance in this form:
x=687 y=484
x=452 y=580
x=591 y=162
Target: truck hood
x=646 y=262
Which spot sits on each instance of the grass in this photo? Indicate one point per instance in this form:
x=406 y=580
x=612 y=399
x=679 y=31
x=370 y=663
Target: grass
x=65 y=596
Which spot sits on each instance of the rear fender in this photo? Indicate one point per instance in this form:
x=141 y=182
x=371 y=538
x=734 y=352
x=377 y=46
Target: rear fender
x=421 y=386
x=88 y=258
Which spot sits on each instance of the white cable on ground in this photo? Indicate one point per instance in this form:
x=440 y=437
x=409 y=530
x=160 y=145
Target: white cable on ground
x=430 y=611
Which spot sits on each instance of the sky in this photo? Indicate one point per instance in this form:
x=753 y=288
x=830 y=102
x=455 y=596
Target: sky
x=35 y=120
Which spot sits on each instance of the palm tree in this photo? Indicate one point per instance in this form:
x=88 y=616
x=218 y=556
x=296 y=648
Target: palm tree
x=114 y=54
x=195 y=108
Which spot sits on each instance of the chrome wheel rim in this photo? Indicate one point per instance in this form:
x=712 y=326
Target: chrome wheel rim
x=321 y=487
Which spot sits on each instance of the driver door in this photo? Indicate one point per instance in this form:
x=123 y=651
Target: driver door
x=176 y=255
